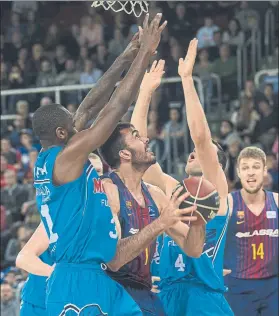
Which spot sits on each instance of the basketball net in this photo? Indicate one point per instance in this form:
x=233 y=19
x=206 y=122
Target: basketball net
x=196 y=197
x=129 y=7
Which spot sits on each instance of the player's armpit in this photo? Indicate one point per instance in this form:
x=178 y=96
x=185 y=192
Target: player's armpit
x=28 y=258
x=226 y=272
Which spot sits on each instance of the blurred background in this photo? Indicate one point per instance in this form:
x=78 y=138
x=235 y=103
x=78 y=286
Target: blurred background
x=55 y=51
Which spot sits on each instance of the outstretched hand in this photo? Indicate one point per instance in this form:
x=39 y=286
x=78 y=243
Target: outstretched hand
x=152 y=79
x=150 y=35
x=186 y=66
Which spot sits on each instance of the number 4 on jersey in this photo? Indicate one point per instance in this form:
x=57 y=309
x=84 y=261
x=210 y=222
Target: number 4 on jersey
x=179 y=264
x=45 y=213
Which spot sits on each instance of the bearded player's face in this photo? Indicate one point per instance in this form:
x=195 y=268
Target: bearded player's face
x=137 y=149
x=251 y=173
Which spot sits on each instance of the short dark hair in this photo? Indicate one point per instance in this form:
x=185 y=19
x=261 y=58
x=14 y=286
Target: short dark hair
x=109 y=151
x=221 y=155
x=47 y=119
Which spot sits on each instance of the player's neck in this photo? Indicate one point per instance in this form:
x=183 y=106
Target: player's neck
x=131 y=178
x=254 y=198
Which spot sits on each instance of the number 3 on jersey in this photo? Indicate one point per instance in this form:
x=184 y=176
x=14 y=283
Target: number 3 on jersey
x=45 y=213
x=179 y=264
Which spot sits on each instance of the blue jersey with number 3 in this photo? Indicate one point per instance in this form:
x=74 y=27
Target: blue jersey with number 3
x=76 y=215
x=176 y=266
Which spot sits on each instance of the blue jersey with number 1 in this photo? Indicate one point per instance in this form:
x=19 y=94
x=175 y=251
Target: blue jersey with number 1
x=76 y=215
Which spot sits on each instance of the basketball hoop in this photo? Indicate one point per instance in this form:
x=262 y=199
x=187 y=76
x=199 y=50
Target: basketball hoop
x=129 y=7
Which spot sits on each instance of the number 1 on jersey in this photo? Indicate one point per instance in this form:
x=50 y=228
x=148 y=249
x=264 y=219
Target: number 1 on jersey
x=179 y=264
x=45 y=213
x=258 y=252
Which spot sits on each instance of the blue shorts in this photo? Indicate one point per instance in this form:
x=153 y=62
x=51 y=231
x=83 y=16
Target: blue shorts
x=253 y=297
x=27 y=309
x=85 y=289
x=192 y=299
x=148 y=302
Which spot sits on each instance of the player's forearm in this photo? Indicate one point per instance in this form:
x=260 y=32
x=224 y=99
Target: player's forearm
x=196 y=118
x=99 y=95
x=33 y=264
x=195 y=241
x=130 y=247
x=139 y=117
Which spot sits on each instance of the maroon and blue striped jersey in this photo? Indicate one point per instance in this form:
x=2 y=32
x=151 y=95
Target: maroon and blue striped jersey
x=132 y=219
x=252 y=241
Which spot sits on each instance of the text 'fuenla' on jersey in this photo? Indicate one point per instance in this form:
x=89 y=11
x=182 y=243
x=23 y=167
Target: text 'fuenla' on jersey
x=176 y=266
x=132 y=219
x=76 y=215
x=252 y=241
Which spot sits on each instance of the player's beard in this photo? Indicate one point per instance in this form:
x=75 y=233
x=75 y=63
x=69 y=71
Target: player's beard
x=255 y=190
x=142 y=161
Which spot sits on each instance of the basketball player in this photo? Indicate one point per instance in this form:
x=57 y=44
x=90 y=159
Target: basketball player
x=75 y=214
x=191 y=286
x=137 y=205
x=252 y=240
x=33 y=295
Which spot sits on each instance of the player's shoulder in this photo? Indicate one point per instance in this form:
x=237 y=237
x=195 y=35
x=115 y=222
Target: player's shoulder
x=275 y=196
x=153 y=189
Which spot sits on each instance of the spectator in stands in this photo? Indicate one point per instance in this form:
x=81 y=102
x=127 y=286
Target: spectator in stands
x=234 y=144
x=83 y=56
x=15 y=78
x=23 y=7
x=203 y=67
x=91 y=31
x=248 y=18
x=9 y=304
x=47 y=76
x=15 y=26
x=272 y=168
x=245 y=118
x=249 y=90
x=13 y=156
x=226 y=68
x=153 y=130
x=266 y=127
x=234 y=35
x=217 y=42
x=22 y=109
x=103 y=58
x=35 y=63
x=91 y=73
x=270 y=96
x=24 y=63
x=271 y=62
x=45 y=101
x=225 y=133
x=13 y=195
x=33 y=28
x=5 y=166
x=15 y=129
x=52 y=37
x=70 y=75
x=4 y=76
x=205 y=33
x=60 y=59
x=71 y=108
x=117 y=44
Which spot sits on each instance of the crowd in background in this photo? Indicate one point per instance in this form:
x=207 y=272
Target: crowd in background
x=37 y=51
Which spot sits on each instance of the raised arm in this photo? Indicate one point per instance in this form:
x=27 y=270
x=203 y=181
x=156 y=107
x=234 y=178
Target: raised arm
x=99 y=95
x=198 y=126
x=69 y=164
x=28 y=258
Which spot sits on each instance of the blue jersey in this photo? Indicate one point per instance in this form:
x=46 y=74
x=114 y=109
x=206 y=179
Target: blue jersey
x=176 y=266
x=76 y=215
x=252 y=241
x=133 y=218
x=34 y=289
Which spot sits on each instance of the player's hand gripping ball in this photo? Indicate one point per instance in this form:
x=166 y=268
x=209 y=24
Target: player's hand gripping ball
x=207 y=199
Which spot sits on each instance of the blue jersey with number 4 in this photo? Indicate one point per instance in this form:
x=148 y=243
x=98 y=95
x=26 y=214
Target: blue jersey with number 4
x=176 y=266
x=76 y=215
x=34 y=289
